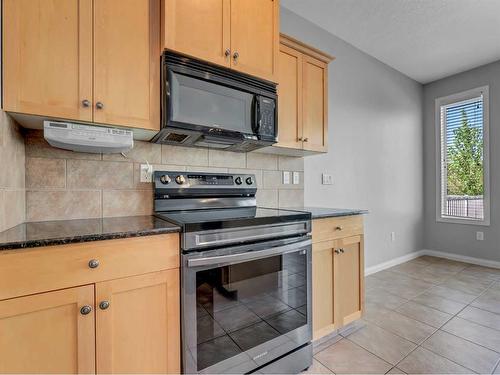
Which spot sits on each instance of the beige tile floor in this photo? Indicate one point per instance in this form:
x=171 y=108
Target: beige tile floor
x=426 y=316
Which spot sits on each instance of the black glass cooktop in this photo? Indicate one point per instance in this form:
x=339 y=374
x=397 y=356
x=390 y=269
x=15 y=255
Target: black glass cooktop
x=196 y=220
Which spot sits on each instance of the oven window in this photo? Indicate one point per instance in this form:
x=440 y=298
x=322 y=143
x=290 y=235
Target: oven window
x=198 y=102
x=244 y=305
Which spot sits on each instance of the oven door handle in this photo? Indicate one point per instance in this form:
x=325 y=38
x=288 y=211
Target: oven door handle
x=232 y=258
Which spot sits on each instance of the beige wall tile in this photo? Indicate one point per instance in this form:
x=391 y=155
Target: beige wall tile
x=99 y=174
x=272 y=179
x=14 y=207
x=262 y=161
x=37 y=146
x=267 y=198
x=227 y=159
x=62 y=204
x=2 y=209
x=291 y=198
x=256 y=172
x=127 y=202
x=290 y=163
x=45 y=173
x=184 y=155
x=142 y=152
x=12 y=156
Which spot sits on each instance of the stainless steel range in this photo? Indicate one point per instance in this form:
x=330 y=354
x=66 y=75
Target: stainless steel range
x=246 y=275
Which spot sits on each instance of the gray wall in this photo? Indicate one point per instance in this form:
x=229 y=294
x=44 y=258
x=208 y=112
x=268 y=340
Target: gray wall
x=375 y=145
x=457 y=238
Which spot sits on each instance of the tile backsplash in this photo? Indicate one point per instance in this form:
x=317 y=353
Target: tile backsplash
x=12 y=193
x=70 y=185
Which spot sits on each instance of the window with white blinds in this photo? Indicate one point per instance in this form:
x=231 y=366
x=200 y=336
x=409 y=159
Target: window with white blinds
x=463 y=165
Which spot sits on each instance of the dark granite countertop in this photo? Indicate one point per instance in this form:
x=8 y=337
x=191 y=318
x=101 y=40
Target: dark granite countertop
x=46 y=233
x=324 y=212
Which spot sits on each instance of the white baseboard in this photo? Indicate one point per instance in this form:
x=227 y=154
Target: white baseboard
x=434 y=253
x=393 y=262
x=461 y=258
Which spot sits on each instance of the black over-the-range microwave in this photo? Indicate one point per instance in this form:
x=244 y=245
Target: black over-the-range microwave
x=211 y=106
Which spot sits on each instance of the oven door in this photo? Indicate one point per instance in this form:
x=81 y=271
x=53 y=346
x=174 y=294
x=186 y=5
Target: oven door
x=245 y=306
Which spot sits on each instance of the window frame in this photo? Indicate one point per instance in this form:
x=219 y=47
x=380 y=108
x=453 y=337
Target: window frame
x=457 y=98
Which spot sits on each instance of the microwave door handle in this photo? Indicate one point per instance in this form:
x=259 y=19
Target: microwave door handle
x=252 y=255
x=258 y=118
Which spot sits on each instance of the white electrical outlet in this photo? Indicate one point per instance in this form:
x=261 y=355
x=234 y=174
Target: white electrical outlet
x=480 y=236
x=146 y=173
x=286 y=178
x=327 y=179
x=296 y=178
x=393 y=236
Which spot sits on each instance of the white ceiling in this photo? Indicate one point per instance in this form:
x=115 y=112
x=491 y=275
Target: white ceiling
x=424 y=39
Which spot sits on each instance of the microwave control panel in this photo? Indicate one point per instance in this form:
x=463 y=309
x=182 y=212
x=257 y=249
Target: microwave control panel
x=267 y=117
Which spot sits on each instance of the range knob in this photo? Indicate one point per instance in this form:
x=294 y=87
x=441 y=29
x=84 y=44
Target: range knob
x=238 y=181
x=249 y=181
x=180 y=179
x=165 y=179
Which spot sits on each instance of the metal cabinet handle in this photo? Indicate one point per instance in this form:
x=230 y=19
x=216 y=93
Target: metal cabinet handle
x=340 y=227
x=337 y=251
x=104 y=305
x=99 y=105
x=236 y=55
x=86 y=103
x=85 y=310
x=301 y=139
x=342 y=251
x=93 y=263
x=227 y=52
x=306 y=139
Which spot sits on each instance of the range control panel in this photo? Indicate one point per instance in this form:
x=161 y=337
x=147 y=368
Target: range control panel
x=187 y=180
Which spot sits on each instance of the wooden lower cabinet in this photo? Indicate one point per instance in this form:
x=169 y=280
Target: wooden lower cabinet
x=46 y=333
x=338 y=282
x=137 y=324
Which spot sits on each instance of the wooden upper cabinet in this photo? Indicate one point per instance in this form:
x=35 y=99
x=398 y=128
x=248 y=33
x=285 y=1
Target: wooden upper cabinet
x=127 y=63
x=47 y=333
x=315 y=104
x=47 y=57
x=198 y=28
x=302 y=96
x=139 y=331
x=290 y=97
x=255 y=37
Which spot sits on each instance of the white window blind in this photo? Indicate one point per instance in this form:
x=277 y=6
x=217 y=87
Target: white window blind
x=463 y=165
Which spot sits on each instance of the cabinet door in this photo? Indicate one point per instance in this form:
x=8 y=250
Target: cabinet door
x=127 y=63
x=322 y=289
x=199 y=28
x=47 y=57
x=255 y=37
x=315 y=104
x=290 y=98
x=349 y=280
x=46 y=333
x=140 y=330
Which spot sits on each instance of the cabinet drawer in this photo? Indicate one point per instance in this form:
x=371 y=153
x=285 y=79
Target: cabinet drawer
x=337 y=227
x=56 y=267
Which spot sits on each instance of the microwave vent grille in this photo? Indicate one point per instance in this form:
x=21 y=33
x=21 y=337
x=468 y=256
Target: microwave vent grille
x=176 y=138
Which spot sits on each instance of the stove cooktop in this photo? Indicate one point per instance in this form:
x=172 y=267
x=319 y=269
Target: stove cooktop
x=197 y=220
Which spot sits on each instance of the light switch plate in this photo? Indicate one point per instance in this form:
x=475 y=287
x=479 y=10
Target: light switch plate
x=286 y=178
x=327 y=179
x=296 y=178
x=146 y=173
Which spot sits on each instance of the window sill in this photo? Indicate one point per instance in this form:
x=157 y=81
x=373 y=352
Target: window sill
x=485 y=222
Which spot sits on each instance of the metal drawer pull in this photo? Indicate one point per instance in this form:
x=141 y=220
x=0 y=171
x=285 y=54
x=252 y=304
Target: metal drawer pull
x=85 y=310
x=248 y=255
x=104 y=305
x=93 y=263
x=340 y=227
